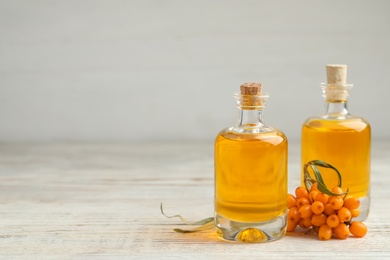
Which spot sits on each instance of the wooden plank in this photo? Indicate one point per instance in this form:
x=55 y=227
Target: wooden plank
x=102 y=200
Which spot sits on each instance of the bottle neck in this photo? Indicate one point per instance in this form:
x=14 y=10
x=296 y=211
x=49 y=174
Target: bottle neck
x=336 y=97
x=250 y=118
x=336 y=109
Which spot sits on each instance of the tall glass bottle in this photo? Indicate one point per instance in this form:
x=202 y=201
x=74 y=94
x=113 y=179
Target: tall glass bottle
x=340 y=139
x=250 y=174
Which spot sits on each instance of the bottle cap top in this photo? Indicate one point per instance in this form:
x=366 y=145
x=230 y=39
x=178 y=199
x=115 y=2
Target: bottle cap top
x=336 y=74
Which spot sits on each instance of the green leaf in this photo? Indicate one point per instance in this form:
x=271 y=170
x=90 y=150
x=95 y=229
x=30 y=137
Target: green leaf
x=317 y=173
x=308 y=180
x=322 y=187
x=206 y=223
x=327 y=165
x=205 y=226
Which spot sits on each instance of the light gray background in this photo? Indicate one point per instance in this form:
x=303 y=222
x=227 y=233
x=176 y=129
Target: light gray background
x=166 y=70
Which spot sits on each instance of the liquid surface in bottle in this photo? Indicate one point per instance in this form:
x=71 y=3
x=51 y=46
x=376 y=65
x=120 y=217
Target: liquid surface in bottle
x=250 y=175
x=345 y=144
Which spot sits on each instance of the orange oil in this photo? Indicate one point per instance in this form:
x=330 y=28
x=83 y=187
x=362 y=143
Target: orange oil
x=345 y=144
x=250 y=176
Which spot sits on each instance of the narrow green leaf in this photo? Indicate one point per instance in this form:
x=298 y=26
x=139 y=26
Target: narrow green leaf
x=308 y=180
x=317 y=173
x=200 y=222
x=322 y=187
x=327 y=165
x=205 y=226
x=318 y=177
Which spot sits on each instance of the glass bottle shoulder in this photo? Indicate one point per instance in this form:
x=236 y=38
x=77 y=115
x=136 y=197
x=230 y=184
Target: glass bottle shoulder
x=267 y=134
x=347 y=122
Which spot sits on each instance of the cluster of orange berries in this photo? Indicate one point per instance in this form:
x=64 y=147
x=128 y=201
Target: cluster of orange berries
x=327 y=215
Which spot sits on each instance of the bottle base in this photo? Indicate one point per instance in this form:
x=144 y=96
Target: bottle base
x=250 y=232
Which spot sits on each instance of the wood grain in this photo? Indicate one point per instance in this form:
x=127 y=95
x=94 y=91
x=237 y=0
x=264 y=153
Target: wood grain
x=102 y=201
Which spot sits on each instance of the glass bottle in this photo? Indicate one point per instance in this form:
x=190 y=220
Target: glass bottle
x=340 y=139
x=250 y=174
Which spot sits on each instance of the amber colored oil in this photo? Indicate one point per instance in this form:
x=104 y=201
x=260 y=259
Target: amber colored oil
x=345 y=144
x=250 y=176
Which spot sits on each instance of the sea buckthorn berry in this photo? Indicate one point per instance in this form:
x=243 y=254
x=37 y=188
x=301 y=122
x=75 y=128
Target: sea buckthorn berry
x=306 y=222
x=291 y=225
x=358 y=229
x=300 y=223
x=293 y=215
x=352 y=203
x=337 y=190
x=347 y=197
x=336 y=202
x=324 y=198
x=314 y=187
x=325 y=232
x=333 y=221
x=344 y=214
x=291 y=201
x=313 y=195
x=355 y=213
x=301 y=192
x=303 y=201
x=317 y=207
x=318 y=219
x=341 y=231
x=305 y=211
x=328 y=210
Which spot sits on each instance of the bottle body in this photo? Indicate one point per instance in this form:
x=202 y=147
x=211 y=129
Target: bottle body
x=345 y=143
x=250 y=175
x=251 y=185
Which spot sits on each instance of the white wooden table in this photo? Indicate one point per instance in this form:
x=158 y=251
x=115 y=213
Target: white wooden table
x=102 y=201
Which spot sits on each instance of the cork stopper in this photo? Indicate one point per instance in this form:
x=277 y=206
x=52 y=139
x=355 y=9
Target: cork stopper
x=336 y=89
x=336 y=74
x=251 y=96
x=251 y=88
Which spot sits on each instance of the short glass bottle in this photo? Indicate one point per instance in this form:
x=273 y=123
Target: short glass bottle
x=250 y=174
x=342 y=140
